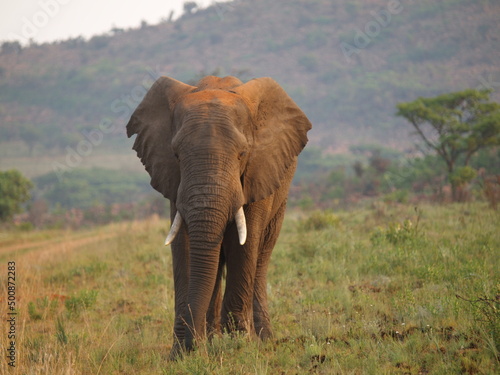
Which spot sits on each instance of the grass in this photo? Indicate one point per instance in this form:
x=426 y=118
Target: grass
x=388 y=289
x=41 y=164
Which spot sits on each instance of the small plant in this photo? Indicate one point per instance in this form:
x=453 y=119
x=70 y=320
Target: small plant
x=84 y=300
x=487 y=313
x=61 y=334
x=400 y=233
x=33 y=313
x=396 y=233
x=319 y=220
x=93 y=269
x=40 y=308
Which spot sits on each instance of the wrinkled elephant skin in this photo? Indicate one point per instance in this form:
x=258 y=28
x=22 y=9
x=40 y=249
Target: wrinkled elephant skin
x=224 y=153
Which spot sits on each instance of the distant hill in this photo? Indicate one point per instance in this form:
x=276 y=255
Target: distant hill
x=347 y=64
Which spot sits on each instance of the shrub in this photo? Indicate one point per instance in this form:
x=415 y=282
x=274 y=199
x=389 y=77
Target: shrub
x=33 y=313
x=82 y=301
x=398 y=233
x=61 y=334
x=319 y=220
x=491 y=190
x=14 y=190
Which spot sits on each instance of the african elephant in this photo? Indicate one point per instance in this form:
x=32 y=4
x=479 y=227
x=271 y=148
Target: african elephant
x=224 y=153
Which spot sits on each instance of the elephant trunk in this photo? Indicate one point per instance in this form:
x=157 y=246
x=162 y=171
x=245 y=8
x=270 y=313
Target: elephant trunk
x=206 y=208
x=205 y=230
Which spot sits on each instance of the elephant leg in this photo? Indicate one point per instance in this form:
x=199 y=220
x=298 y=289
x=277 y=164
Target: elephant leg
x=180 y=260
x=262 y=321
x=241 y=262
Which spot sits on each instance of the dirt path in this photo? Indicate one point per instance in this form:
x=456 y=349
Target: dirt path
x=40 y=250
x=26 y=245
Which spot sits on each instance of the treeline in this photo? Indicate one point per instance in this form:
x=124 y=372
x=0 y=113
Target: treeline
x=375 y=173
x=86 y=197
x=79 y=198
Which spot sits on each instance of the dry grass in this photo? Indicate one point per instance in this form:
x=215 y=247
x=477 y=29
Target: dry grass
x=365 y=292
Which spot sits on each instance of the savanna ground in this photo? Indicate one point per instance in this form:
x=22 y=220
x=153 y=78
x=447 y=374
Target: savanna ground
x=381 y=290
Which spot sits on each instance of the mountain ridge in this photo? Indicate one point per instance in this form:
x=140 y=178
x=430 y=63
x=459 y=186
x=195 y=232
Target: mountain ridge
x=346 y=65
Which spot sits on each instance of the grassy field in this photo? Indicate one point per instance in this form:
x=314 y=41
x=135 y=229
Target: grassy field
x=381 y=290
x=33 y=167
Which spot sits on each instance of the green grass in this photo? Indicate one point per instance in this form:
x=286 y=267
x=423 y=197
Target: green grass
x=388 y=289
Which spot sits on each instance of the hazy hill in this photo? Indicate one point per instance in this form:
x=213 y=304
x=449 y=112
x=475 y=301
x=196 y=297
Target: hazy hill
x=346 y=64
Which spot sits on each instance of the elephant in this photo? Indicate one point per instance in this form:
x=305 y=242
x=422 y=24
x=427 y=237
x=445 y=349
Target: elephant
x=224 y=153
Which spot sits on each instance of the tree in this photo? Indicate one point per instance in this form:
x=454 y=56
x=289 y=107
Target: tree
x=455 y=126
x=189 y=7
x=11 y=47
x=14 y=190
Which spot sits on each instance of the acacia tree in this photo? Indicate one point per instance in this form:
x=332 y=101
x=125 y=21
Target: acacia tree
x=14 y=190
x=455 y=126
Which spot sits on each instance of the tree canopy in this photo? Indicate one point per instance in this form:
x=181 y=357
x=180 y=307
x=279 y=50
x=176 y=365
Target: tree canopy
x=455 y=126
x=14 y=190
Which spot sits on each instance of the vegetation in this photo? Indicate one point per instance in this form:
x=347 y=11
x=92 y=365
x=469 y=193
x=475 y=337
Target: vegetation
x=84 y=188
x=373 y=172
x=385 y=289
x=87 y=197
x=455 y=126
x=14 y=191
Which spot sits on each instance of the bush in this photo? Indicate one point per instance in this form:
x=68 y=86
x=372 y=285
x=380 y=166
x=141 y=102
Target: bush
x=318 y=221
x=396 y=233
x=491 y=190
x=84 y=300
x=399 y=196
x=14 y=190
x=85 y=188
x=462 y=176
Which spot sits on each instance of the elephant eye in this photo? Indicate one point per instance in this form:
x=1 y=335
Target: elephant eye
x=176 y=156
x=242 y=155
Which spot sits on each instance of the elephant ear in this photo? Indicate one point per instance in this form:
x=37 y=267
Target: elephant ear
x=152 y=121
x=280 y=134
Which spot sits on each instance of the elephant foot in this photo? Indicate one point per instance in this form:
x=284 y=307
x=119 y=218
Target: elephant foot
x=262 y=325
x=264 y=333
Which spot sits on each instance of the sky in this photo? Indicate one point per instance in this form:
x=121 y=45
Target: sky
x=51 y=20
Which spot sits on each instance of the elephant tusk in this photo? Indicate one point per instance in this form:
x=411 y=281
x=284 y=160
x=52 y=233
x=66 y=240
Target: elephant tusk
x=241 y=225
x=174 y=229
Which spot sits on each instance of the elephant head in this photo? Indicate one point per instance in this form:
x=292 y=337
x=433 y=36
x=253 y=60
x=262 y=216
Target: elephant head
x=212 y=149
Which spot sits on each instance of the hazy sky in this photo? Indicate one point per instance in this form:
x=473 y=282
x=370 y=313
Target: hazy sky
x=50 y=20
